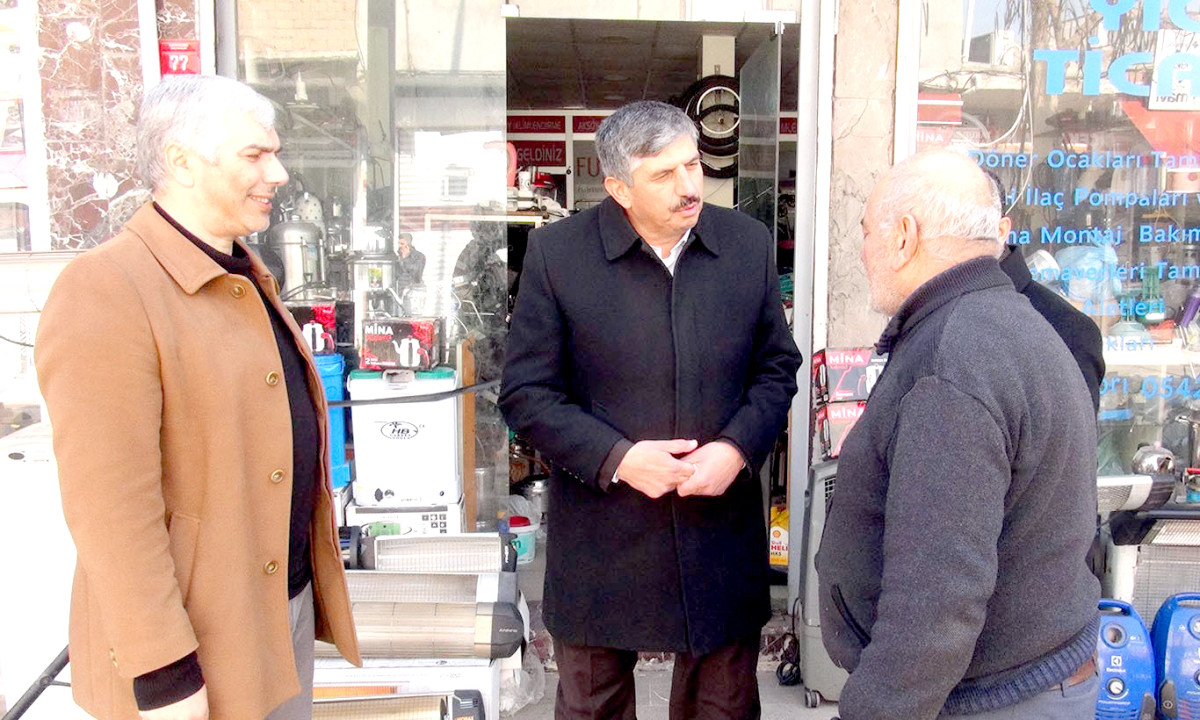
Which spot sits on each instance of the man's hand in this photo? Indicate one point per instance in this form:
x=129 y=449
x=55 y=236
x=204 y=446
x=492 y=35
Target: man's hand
x=717 y=465
x=651 y=466
x=192 y=707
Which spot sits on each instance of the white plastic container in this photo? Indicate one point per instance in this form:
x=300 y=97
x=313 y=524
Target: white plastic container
x=526 y=538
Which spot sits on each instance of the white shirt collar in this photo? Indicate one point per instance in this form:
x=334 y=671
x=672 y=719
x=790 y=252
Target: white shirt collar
x=676 y=250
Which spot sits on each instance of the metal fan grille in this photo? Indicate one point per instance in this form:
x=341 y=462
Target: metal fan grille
x=1163 y=571
x=431 y=707
x=1175 y=532
x=829 y=483
x=376 y=586
x=1112 y=497
x=439 y=555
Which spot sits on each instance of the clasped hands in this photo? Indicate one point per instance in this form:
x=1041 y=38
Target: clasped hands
x=657 y=467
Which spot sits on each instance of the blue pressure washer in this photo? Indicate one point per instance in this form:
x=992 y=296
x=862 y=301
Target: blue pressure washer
x=1125 y=659
x=1176 y=638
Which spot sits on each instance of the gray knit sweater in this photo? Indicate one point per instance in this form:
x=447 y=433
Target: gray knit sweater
x=952 y=573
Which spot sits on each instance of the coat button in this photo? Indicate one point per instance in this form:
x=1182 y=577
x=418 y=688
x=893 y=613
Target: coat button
x=272 y=378
x=277 y=476
x=238 y=290
x=270 y=567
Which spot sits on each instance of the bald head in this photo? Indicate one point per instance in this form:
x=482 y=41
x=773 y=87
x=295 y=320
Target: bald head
x=951 y=199
x=928 y=213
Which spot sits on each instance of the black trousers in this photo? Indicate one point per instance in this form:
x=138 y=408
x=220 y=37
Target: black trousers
x=596 y=683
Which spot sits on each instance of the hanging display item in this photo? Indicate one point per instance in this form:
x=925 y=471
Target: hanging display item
x=713 y=103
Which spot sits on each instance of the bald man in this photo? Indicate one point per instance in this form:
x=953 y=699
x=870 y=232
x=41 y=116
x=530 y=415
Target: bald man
x=952 y=564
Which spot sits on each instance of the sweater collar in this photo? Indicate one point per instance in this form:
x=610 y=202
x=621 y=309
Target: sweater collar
x=238 y=263
x=618 y=234
x=973 y=275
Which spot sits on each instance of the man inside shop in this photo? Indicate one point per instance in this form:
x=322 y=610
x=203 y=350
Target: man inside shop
x=649 y=360
x=952 y=564
x=410 y=265
x=190 y=435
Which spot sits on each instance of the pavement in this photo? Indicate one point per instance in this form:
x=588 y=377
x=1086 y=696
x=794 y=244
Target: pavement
x=654 y=686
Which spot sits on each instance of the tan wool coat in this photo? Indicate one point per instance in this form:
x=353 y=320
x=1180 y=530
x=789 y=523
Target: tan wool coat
x=172 y=432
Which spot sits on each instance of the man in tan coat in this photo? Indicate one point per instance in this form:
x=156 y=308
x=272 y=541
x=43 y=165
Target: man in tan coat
x=190 y=434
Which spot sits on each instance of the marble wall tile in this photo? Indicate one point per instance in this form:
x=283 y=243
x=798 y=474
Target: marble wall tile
x=176 y=19
x=91 y=74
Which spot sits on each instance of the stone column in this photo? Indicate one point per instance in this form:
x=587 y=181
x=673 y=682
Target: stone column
x=863 y=118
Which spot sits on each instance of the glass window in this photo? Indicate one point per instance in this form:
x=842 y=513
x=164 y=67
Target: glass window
x=1085 y=112
x=390 y=237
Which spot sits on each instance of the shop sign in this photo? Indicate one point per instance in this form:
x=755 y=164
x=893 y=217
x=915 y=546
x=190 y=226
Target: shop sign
x=1175 y=72
x=540 y=152
x=589 y=181
x=1179 y=94
x=543 y=124
x=586 y=123
x=939 y=108
x=179 y=57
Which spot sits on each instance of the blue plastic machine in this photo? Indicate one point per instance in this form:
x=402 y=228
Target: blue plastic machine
x=1176 y=638
x=1125 y=660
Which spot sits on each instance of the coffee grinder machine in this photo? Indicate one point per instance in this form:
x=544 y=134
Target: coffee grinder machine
x=374 y=271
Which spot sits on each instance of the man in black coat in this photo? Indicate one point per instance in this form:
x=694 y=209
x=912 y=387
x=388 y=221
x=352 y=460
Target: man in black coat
x=650 y=361
x=1077 y=330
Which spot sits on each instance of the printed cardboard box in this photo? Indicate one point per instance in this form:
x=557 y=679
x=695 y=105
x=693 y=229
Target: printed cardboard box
x=840 y=374
x=831 y=424
x=408 y=343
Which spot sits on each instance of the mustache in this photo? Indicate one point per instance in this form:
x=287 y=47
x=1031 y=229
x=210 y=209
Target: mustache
x=688 y=201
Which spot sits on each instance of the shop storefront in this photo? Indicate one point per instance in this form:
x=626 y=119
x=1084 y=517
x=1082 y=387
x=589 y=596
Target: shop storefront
x=1088 y=119
x=423 y=141
x=426 y=139
x=1085 y=113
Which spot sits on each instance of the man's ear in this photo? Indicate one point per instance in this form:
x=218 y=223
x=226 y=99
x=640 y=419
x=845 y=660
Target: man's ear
x=907 y=240
x=180 y=164
x=619 y=191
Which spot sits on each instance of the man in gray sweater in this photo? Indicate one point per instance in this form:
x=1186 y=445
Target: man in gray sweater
x=952 y=565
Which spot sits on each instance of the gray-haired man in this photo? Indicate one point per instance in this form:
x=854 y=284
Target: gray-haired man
x=650 y=361
x=189 y=430
x=952 y=573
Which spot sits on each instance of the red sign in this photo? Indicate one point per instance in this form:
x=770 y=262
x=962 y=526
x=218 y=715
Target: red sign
x=540 y=152
x=787 y=126
x=939 y=108
x=537 y=124
x=179 y=57
x=587 y=123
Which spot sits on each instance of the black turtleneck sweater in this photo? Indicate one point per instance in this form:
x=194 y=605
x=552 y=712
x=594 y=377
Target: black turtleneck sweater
x=182 y=678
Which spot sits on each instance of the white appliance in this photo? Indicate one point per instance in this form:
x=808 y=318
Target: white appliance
x=432 y=520
x=406 y=454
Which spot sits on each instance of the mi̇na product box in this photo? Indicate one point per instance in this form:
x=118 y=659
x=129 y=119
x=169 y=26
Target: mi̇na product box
x=840 y=374
x=831 y=424
x=401 y=343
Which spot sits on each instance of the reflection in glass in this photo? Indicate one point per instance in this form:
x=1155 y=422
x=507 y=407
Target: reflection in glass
x=391 y=231
x=1085 y=113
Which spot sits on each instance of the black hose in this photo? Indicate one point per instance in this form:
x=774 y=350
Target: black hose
x=427 y=397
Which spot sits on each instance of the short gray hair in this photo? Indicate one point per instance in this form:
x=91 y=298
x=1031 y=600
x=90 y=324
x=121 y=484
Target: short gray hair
x=638 y=130
x=193 y=111
x=947 y=193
